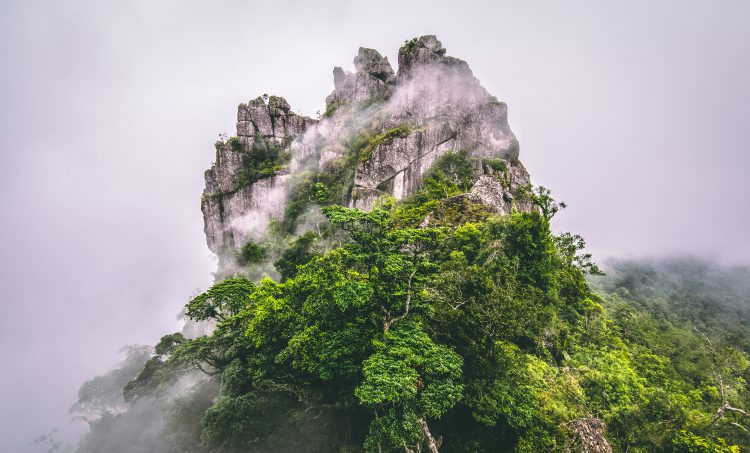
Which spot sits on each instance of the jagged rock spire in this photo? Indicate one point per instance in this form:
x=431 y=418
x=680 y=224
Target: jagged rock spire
x=370 y=61
x=432 y=105
x=371 y=79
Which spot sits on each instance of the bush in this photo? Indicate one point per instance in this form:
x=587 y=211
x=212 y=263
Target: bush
x=264 y=159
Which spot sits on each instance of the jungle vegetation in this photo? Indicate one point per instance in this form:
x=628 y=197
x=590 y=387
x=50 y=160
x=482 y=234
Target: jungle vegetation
x=481 y=333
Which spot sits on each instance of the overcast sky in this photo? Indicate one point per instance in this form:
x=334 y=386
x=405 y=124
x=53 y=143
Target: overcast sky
x=635 y=113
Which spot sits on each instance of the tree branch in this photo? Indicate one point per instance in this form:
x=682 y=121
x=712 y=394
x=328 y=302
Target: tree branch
x=431 y=445
x=388 y=322
x=727 y=407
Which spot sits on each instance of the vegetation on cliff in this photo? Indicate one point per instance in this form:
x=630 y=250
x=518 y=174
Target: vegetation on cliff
x=263 y=159
x=477 y=333
x=449 y=318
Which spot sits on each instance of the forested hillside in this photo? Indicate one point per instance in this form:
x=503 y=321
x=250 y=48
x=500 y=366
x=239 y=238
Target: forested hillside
x=390 y=281
x=476 y=333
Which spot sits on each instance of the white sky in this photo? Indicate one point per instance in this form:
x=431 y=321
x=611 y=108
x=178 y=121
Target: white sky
x=635 y=113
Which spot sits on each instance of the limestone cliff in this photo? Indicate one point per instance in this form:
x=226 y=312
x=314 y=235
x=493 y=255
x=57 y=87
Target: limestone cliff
x=233 y=209
x=400 y=122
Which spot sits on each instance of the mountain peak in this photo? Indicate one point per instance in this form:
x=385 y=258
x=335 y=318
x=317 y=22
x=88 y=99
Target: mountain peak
x=381 y=134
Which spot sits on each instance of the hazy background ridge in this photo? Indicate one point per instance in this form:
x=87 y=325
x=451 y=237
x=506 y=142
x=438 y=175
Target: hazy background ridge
x=635 y=114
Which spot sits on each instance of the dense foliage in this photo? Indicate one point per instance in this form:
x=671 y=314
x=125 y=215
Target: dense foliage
x=264 y=158
x=476 y=334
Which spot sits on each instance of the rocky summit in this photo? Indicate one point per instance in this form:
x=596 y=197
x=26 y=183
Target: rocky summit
x=381 y=132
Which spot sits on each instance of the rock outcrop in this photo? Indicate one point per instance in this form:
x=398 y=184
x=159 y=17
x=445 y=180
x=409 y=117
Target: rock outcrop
x=432 y=105
x=232 y=211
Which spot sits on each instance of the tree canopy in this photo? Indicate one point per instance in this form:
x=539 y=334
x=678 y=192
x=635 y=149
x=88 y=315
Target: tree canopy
x=480 y=334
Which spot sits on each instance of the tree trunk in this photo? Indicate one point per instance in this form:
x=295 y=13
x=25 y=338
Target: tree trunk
x=428 y=436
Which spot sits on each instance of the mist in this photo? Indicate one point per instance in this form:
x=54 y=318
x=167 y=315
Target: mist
x=634 y=114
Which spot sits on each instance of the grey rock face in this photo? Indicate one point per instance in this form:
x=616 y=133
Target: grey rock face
x=370 y=61
x=232 y=218
x=372 y=79
x=269 y=119
x=497 y=189
x=232 y=214
x=431 y=106
x=448 y=110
